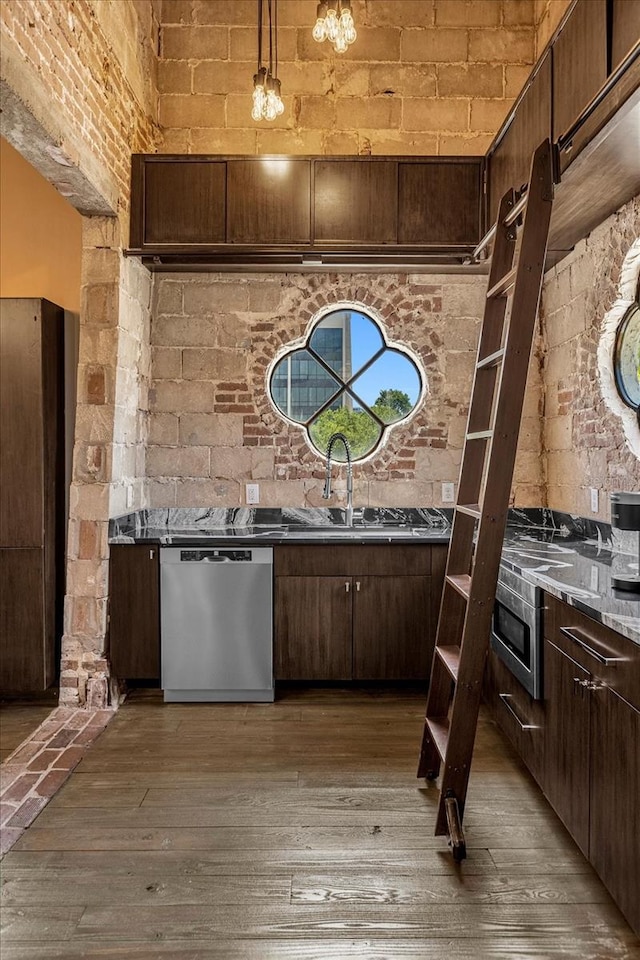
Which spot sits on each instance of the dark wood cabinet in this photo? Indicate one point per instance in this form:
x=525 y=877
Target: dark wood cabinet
x=134 y=611
x=566 y=771
x=313 y=628
x=517 y=714
x=355 y=612
x=32 y=505
x=391 y=628
x=439 y=202
x=177 y=201
x=356 y=201
x=579 y=62
x=625 y=29
x=509 y=161
x=269 y=201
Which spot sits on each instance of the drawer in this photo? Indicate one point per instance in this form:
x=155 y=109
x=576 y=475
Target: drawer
x=341 y=560
x=607 y=655
x=517 y=714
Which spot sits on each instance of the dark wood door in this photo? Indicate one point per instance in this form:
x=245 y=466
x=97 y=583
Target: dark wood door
x=24 y=664
x=625 y=29
x=391 y=628
x=356 y=201
x=313 y=618
x=510 y=161
x=566 y=773
x=184 y=201
x=579 y=62
x=439 y=202
x=134 y=608
x=269 y=201
x=615 y=799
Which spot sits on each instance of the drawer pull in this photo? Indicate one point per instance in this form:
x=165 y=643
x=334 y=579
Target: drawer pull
x=572 y=634
x=506 y=699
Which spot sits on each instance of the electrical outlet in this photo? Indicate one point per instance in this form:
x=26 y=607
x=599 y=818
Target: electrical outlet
x=594 y=499
x=594 y=578
x=448 y=492
x=252 y=492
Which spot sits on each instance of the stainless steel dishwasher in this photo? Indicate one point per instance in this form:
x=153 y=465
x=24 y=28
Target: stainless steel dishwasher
x=216 y=623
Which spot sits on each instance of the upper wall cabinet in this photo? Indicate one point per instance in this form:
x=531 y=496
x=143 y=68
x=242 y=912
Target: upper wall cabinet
x=625 y=29
x=285 y=211
x=579 y=62
x=510 y=160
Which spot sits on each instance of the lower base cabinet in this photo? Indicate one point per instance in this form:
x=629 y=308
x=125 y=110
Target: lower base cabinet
x=134 y=612
x=582 y=741
x=356 y=613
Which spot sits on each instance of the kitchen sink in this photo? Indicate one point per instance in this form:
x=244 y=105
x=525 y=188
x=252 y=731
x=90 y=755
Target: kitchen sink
x=334 y=532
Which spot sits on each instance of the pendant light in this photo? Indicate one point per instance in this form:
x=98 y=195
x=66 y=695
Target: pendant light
x=267 y=99
x=335 y=23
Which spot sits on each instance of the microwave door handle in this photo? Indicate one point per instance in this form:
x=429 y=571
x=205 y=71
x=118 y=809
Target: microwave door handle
x=572 y=634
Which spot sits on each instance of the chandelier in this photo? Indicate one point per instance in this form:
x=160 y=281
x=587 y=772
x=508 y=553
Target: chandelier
x=335 y=23
x=267 y=99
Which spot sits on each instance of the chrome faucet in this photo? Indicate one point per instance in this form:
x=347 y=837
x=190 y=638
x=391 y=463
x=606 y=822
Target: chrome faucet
x=327 y=483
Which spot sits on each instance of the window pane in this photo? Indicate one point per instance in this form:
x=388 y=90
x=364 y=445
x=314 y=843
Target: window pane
x=346 y=340
x=360 y=429
x=391 y=386
x=300 y=386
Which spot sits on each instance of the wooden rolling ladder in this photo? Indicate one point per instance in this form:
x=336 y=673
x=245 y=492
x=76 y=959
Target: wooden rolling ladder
x=486 y=474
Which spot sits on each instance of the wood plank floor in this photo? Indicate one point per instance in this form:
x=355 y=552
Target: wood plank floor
x=296 y=831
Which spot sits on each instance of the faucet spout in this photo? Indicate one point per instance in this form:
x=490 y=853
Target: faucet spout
x=327 y=483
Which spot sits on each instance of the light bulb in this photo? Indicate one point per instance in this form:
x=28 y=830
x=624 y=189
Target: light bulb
x=341 y=44
x=280 y=106
x=319 y=32
x=350 y=33
x=256 y=113
x=271 y=108
x=332 y=26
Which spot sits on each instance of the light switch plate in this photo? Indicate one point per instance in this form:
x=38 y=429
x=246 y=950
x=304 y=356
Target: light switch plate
x=594 y=499
x=252 y=493
x=448 y=492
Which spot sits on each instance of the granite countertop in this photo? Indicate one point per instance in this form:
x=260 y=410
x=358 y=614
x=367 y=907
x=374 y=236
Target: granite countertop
x=572 y=558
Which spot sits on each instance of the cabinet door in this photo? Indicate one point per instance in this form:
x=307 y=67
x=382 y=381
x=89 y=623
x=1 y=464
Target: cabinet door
x=567 y=708
x=439 y=202
x=356 y=201
x=269 y=201
x=391 y=628
x=313 y=628
x=615 y=799
x=579 y=62
x=510 y=161
x=23 y=660
x=184 y=202
x=134 y=624
x=625 y=30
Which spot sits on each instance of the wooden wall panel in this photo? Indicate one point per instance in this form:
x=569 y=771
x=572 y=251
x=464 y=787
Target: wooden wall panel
x=269 y=201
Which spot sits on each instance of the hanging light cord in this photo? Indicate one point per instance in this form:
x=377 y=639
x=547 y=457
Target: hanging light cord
x=259 y=34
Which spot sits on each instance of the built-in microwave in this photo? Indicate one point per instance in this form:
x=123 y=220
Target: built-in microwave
x=516 y=633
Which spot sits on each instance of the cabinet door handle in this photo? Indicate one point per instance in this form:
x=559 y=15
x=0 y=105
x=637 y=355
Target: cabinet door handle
x=152 y=554
x=357 y=586
x=347 y=586
x=506 y=699
x=572 y=634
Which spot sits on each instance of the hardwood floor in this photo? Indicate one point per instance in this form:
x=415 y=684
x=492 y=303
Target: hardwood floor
x=296 y=831
x=18 y=720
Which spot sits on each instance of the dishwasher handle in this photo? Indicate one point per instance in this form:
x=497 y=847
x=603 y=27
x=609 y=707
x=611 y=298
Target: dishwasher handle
x=216 y=556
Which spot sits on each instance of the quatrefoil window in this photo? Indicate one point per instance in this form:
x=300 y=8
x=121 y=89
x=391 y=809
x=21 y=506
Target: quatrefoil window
x=348 y=378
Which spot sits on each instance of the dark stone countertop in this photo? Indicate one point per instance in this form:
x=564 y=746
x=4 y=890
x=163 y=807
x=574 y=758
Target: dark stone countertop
x=572 y=558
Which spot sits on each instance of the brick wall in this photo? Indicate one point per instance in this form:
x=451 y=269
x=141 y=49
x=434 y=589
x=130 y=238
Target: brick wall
x=212 y=428
x=423 y=77
x=584 y=441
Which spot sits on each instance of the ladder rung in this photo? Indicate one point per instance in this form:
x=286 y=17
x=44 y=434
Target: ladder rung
x=480 y=435
x=460 y=582
x=470 y=509
x=438 y=727
x=450 y=656
x=502 y=287
x=492 y=360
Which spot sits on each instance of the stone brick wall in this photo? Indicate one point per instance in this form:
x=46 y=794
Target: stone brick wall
x=547 y=16
x=79 y=94
x=423 y=77
x=584 y=442
x=213 y=429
